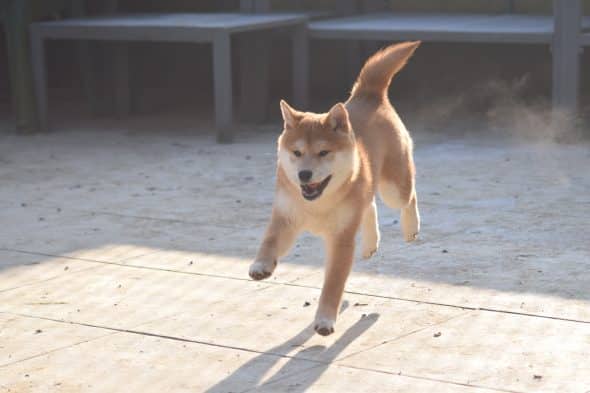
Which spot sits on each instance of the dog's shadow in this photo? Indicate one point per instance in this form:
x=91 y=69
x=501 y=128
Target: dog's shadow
x=249 y=376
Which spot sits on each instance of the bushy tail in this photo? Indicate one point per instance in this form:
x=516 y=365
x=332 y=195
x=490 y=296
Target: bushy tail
x=376 y=74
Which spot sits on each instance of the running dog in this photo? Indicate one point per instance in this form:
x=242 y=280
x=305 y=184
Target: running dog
x=330 y=167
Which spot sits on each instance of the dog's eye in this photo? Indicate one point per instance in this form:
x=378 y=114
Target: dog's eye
x=297 y=153
x=323 y=153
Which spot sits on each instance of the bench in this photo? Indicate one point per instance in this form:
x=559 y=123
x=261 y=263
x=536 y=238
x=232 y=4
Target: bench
x=559 y=31
x=214 y=28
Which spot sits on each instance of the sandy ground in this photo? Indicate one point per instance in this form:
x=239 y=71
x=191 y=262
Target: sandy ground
x=123 y=268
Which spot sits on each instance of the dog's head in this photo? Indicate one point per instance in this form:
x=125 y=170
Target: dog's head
x=317 y=151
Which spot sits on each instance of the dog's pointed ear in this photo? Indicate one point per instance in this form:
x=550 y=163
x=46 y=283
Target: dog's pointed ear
x=290 y=115
x=338 y=118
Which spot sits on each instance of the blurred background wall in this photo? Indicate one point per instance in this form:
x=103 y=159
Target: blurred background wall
x=180 y=75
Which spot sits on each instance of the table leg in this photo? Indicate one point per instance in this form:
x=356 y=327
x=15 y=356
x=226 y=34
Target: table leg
x=300 y=67
x=122 y=95
x=39 y=76
x=254 y=76
x=17 y=17
x=566 y=55
x=222 y=86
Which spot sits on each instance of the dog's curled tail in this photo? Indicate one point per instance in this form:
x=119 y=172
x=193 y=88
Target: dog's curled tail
x=376 y=74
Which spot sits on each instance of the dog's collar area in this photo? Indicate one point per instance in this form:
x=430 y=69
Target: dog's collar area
x=311 y=191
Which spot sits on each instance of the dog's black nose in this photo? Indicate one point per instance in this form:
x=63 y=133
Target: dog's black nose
x=305 y=176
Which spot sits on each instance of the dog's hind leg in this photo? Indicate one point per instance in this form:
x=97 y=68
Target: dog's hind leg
x=278 y=239
x=340 y=254
x=410 y=219
x=370 y=231
x=403 y=198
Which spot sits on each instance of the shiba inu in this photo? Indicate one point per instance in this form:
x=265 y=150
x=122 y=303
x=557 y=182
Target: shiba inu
x=330 y=167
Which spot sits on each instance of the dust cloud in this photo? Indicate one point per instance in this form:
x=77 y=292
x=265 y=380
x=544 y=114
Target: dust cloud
x=502 y=108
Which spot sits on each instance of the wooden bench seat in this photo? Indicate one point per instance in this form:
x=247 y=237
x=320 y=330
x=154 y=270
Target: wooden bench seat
x=214 y=28
x=435 y=27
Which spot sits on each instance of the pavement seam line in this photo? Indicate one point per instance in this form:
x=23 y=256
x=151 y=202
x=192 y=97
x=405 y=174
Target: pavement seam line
x=286 y=376
x=33 y=283
x=288 y=283
x=61 y=256
x=429 y=379
x=399 y=374
x=460 y=315
x=55 y=349
x=162 y=336
x=147 y=218
x=318 y=362
x=292 y=284
x=111 y=333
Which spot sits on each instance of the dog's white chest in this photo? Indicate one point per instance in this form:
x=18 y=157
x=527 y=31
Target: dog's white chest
x=332 y=220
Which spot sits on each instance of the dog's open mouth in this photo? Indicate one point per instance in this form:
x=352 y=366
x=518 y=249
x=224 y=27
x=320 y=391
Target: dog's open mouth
x=311 y=191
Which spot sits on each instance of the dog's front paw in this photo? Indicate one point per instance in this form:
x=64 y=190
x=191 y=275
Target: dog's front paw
x=260 y=270
x=370 y=242
x=368 y=251
x=410 y=222
x=324 y=326
x=410 y=237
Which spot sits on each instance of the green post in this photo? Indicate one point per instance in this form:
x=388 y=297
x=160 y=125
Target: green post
x=17 y=16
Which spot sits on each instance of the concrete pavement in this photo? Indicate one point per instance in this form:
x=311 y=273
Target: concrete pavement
x=124 y=255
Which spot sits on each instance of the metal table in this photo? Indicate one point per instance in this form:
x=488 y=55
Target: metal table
x=559 y=31
x=214 y=28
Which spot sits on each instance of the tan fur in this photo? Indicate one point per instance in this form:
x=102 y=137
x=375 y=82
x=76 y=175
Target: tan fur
x=369 y=151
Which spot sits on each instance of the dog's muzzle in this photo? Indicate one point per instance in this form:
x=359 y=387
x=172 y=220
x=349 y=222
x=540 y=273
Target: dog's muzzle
x=311 y=191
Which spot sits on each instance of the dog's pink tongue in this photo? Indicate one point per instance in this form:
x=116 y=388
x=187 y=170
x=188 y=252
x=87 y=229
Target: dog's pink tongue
x=309 y=188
